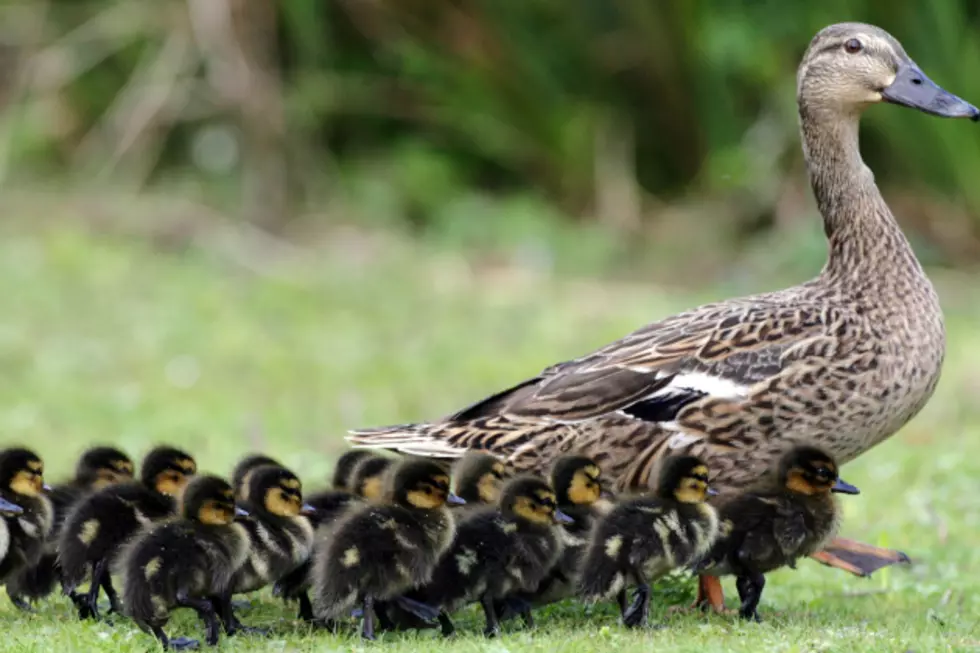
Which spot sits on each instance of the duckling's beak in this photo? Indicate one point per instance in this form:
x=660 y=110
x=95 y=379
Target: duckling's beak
x=46 y=487
x=711 y=492
x=9 y=508
x=562 y=518
x=240 y=512
x=911 y=88
x=844 y=487
x=454 y=500
x=607 y=494
x=307 y=510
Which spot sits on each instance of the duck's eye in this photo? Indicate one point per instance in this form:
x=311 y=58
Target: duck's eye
x=853 y=46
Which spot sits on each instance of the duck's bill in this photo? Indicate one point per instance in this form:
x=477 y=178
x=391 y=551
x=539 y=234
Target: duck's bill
x=913 y=89
x=562 y=518
x=240 y=512
x=711 y=492
x=307 y=510
x=8 y=508
x=454 y=500
x=844 y=487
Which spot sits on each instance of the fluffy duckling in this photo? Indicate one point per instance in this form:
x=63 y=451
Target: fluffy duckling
x=377 y=552
x=789 y=517
x=643 y=538
x=244 y=468
x=27 y=512
x=498 y=551
x=100 y=523
x=367 y=479
x=280 y=536
x=478 y=477
x=344 y=470
x=183 y=562
x=96 y=468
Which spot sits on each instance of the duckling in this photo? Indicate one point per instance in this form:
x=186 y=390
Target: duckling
x=280 y=537
x=496 y=552
x=241 y=472
x=27 y=511
x=647 y=536
x=96 y=468
x=478 y=477
x=344 y=470
x=367 y=479
x=100 y=523
x=790 y=516
x=377 y=552
x=183 y=562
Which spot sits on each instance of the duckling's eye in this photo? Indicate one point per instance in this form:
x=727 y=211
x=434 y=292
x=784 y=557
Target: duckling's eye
x=853 y=46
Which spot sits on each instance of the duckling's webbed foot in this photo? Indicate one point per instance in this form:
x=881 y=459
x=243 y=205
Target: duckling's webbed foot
x=81 y=604
x=858 y=558
x=492 y=628
x=182 y=644
x=99 y=572
x=20 y=602
x=423 y=611
x=636 y=614
x=750 y=588
x=367 y=630
x=205 y=610
x=232 y=625
x=448 y=629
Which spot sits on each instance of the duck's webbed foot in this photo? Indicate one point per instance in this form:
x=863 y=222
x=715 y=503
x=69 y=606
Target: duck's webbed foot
x=858 y=558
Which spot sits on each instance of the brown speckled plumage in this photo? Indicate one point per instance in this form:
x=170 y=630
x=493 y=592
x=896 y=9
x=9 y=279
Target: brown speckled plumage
x=843 y=360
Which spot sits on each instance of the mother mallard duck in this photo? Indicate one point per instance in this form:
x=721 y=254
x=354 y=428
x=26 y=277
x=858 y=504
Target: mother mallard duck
x=841 y=361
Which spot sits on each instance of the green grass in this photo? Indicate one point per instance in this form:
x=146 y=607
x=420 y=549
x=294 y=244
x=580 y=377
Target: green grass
x=105 y=339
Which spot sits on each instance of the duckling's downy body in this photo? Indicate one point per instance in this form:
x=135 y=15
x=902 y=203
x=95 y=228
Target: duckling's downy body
x=771 y=527
x=244 y=468
x=100 y=523
x=280 y=537
x=377 y=552
x=478 y=478
x=25 y=510
x=96 y=468
x=645 y=537
x=497 y=552
x=184 y=562
x=841 y=361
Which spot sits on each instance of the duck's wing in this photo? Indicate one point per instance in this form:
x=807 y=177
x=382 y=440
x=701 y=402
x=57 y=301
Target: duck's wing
x=716 y=351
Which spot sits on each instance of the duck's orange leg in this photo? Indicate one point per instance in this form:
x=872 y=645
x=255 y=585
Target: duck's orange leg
x=711 y=595
x=858 y=558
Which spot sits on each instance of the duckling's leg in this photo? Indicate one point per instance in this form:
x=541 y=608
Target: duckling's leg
x=750 y=588
x=205 y=610
x=492 y=628
x=92 y=598
x=858 y=558
x=20 y=602
x=305 y=607
x=621 y=600
x=636 y=614
x=367 y=630
x=115 y=606
x=448 y=629
x=226 y=612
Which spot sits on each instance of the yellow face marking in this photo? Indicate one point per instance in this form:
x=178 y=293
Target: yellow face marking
x=441 y=479
x=584 y=490
x=691 y=490
x=291 y=483
x=797 y=482
x=373 y=488
x=700 y=470
x=488 y=488
x=27 y=483
x=170 y=482
x=35 y=466
x=188 y=465
x=426 y=500
x=352 y=557
x=528 y=509
x=123 y=467
x=499 y=469
x=151 y=568
x=89 y=531
x=216 y=513
x=279 y=503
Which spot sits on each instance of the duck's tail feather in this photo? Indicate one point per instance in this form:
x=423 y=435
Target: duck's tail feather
x=411 y=439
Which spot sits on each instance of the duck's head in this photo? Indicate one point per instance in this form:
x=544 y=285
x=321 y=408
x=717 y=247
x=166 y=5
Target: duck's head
x=209 y=500
x=577 y=481
x=684 y=479
x=277 y=491
x=167 y=470
x=345 y=468
x=479 y=477
x=243 y=470
x=850 y=66
x=420 y=484
x=368 y=478
x=811 y=471
x=102 y=466
x=21 y=474
x=532 y=499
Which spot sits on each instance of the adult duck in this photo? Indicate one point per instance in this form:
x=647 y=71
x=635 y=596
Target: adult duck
x=841 y=361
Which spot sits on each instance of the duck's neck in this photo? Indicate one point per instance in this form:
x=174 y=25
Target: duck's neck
x=861 y=231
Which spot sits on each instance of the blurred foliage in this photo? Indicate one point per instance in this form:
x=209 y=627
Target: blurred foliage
x=615 y=111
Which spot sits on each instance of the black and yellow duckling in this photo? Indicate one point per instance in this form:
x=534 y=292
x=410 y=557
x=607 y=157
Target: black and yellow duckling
x=96 y=468
x=244 y=468
x=343 y=472
x=101 y=522
x=496 y=552
x=26 y=510
x=478 y=478
x=790 y=517
x=645 y=537
x=280 y=536
x=184 y=562
x=379 y=551
x=367 y=479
